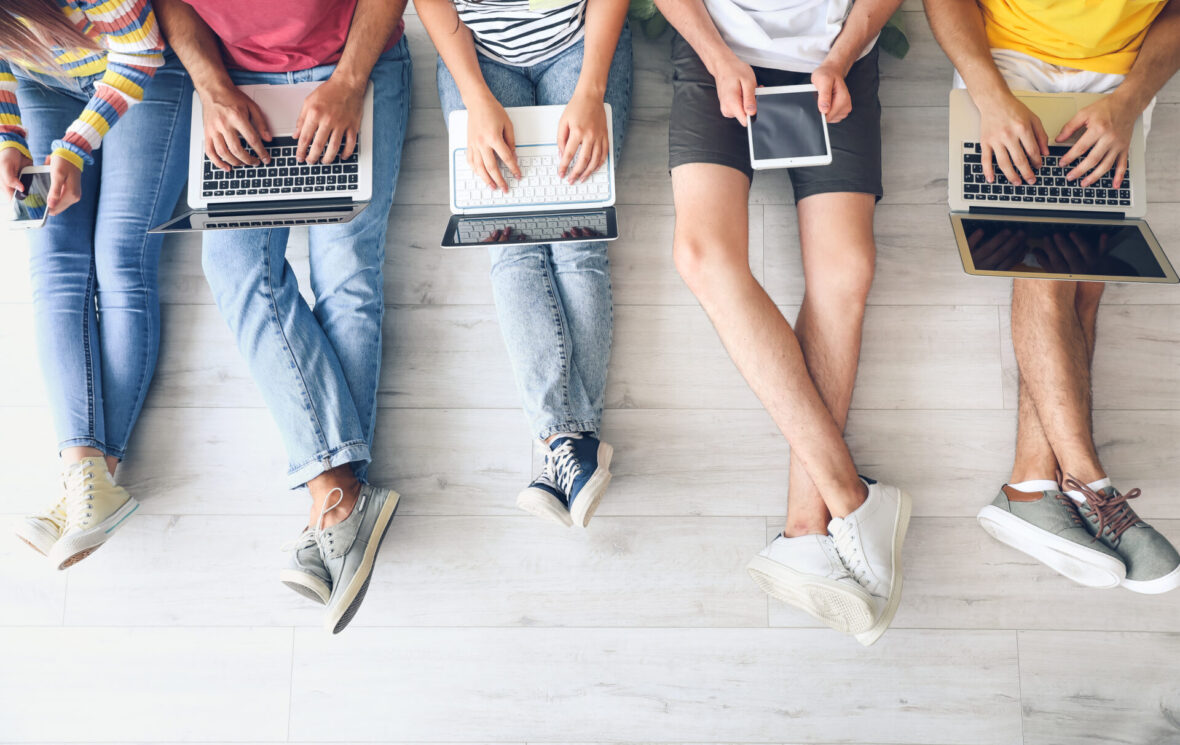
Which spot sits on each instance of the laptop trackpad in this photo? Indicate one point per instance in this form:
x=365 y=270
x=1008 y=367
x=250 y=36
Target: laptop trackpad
x=1054 y=112
x=281 y=104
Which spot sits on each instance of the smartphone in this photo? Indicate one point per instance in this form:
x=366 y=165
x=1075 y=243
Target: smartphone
x=789 y=131
x=28 y=208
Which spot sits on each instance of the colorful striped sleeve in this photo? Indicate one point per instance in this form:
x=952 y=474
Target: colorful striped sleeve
x=12 y=134
x=131 y=38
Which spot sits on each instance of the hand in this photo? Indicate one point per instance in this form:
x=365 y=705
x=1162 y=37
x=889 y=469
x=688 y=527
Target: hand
x=505 y=235
x=1108 y=125
x=998 y=253
x=231 y=116
x=1015 y=136
x=65 y=184
x=582 y=131
x=1072 y=253
x=735 y=89
x=330 y=119
x=489 y=135
x=835 y=102
x=580 y=232
x=12 y=162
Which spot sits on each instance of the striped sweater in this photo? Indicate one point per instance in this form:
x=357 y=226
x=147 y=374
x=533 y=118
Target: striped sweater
x=131 y=50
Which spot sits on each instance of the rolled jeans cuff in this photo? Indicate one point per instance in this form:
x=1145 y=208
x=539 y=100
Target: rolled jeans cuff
x=583 y=426
x=90 y=442
x=356 y=451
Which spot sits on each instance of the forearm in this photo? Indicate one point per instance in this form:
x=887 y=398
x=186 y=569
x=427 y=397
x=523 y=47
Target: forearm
x=373 y=23
x=195 y=44
x=863 y=24
x=691 y=20
x=1157 y=61
x=958 y=27
x=455 y=46
x=12 y=132
x=604 y=23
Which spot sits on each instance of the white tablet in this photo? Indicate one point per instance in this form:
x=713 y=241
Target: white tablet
x=788 y=131
x=28 y=207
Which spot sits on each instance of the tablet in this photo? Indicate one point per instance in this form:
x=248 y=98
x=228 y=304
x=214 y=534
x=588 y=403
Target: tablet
x=29 y=210
x=1068 y=248
x=788 y=131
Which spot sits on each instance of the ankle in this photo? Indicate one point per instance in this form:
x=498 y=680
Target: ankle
x=339 y=498
x=850 y=499
x=797 y=530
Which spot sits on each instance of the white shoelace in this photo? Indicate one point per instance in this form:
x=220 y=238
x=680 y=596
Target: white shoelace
x=79 y=486
x=316 y=534
x=849 y=550
x=564 y=466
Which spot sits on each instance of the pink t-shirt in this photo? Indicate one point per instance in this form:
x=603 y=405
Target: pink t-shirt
x=270 y=36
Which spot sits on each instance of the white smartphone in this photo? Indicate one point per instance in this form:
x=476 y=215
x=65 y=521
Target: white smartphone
x=788 y=131
x=28 y=208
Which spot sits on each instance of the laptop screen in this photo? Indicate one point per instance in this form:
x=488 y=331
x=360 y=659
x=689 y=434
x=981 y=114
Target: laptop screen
x=537 y=227
x=1052 y=247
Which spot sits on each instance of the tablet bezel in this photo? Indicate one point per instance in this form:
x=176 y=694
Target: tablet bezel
x=9 y=224
x=810 y=160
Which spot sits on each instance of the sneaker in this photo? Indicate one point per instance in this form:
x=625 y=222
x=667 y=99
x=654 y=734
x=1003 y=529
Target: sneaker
x=581 y=469
x=349 y=550
x=806 y=572
x=1153 y=565
x=869 y=542
x=42 y=530
x=544 y=498
x=306 y=573
x=1048 y=527
x=95 y=508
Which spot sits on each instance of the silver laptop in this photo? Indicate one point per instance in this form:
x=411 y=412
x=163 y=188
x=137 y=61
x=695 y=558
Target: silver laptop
x=539 y=207
x=284 y=192
x=1053 y=229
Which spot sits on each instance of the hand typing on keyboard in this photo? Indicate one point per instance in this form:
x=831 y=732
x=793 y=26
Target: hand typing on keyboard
x=330 y=121
x=284 y=174
x=1106 y=127
x=1051 y=185
x=234 y=129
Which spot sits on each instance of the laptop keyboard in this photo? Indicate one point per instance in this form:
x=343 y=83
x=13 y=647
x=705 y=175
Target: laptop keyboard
x=1051 y=187
x=530 y=227
x=538 y=184
x=284 y=174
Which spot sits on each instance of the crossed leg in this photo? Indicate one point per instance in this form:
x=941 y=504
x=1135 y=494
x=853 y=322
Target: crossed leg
x=712 y=255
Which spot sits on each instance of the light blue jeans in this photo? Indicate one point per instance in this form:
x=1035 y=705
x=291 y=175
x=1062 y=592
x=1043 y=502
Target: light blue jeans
x=554 y=302
x=318 y=368
x=94 y=268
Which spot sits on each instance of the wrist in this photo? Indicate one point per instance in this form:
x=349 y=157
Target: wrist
x=716 y=57
x=350 y=79
x=1129 y=96
x=838 y=60
x=215 y=89
x=594 y=89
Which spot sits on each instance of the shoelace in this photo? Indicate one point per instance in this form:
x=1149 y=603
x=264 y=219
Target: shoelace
x=316 y=534
x=1114 y=515
x=849 y=551
x=564 y=466
x=835 y=560
x=55 y=514
x=79 y=497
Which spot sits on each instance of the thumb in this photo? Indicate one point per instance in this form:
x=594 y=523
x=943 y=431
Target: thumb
x=824 y=86
x=1071 y=127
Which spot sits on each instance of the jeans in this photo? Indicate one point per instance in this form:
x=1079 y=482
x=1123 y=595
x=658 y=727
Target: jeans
x=318 y=368
x=554 y=302
x=94 y=268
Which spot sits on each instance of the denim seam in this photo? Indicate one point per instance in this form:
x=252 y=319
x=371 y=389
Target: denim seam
x=558 y=313
x=327 y=453
x=87 y=346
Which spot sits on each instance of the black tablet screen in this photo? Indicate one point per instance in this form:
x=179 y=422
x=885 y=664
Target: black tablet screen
x=788 y=125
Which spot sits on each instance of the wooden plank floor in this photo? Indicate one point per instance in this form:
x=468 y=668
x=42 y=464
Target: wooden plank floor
x=487 y=626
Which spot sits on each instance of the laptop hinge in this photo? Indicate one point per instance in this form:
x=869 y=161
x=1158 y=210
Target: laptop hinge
x=1008 y=212
x=278 y=205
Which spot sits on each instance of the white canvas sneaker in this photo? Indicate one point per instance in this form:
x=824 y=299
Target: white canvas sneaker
x=43 y=530
x=806 y=572
x=95 y=508
x=869 y=541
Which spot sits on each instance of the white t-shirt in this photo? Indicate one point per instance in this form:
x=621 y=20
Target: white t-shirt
x=781 y=34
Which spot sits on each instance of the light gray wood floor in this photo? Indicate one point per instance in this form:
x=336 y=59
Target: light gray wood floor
x=484 y=625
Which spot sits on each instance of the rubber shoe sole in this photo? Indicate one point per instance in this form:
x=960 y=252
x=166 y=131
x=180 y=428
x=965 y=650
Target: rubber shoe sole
x=351 y=597
x=586 y=503
x=837 y=606
x=36 y=536
x=307 y=585
x=70 y=549
x=1169 y=581
x=1083 y=565
x=900 y=526
x=544 y=505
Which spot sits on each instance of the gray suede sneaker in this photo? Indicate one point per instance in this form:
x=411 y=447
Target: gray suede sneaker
x=1153 y=565
x=306 y=573
x=1048 y=527
x=349 y=549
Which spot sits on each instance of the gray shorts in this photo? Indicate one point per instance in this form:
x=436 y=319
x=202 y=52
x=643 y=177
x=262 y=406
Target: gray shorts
x=698 y=133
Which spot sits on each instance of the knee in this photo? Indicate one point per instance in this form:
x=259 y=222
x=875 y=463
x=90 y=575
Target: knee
x=845 y=284
x=703 y=263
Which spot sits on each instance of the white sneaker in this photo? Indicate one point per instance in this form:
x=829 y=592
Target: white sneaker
x=95 y=508
x=42 y=530
x=806 y=572
x=869 y=542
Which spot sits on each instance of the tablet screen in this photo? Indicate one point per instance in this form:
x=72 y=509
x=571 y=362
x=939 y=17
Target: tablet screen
x=788 y=125
x=32 y=207
x=1065 y=248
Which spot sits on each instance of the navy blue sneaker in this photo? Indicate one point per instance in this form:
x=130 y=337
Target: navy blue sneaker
x=544 y=498
x=581 y=469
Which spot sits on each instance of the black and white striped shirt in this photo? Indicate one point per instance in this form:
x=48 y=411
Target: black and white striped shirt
x=523 y=32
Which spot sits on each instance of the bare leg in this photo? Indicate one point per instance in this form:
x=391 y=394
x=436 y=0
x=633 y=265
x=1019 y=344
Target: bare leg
x=341 y=477
x=836 y=232
x=1054 y=355
x=712 y=254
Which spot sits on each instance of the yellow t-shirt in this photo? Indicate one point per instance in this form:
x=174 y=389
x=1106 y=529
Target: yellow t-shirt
x=1096 y=35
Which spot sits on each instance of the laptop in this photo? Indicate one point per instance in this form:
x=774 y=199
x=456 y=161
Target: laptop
x=1053 y=229
x=539 y=207
x=284 y=192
